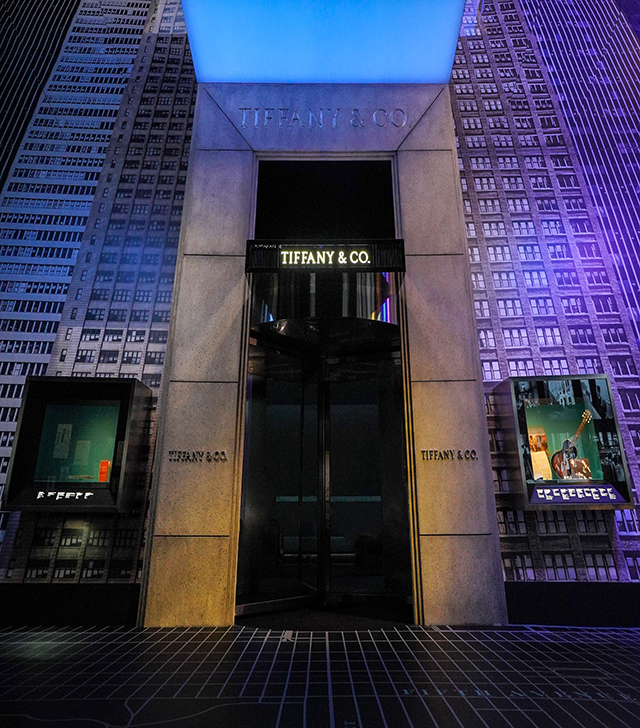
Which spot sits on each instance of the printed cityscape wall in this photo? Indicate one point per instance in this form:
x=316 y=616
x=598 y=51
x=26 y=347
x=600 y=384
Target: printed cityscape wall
x=552 y=291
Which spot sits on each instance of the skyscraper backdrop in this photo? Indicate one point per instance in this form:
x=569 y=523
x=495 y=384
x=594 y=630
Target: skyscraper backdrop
x=545 y=101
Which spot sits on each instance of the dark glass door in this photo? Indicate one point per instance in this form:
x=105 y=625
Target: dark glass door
x=324 y=504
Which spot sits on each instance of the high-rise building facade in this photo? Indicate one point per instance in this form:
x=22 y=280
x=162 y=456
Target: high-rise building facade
x=551 y=288
x=33 y=31
x=546 y=292
x=116 y=319
x=49 y=189
x=592 y=58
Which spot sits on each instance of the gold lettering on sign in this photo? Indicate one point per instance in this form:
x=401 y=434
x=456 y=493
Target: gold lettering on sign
x=304 y=257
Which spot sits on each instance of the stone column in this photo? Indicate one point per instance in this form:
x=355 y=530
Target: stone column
x=459 y=551
x=191 y=578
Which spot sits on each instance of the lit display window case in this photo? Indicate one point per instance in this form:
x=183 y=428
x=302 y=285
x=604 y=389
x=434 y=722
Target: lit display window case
x=80 y=444
x=563 y=441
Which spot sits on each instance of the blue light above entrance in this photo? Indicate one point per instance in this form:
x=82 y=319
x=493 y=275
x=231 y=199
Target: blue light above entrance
x=318 y=41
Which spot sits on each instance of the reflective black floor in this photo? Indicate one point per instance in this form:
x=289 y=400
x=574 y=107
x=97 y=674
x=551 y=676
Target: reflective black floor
x=248 y=677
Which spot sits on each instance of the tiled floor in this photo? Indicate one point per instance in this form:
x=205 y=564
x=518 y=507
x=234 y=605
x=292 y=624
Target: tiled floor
x=245 y=677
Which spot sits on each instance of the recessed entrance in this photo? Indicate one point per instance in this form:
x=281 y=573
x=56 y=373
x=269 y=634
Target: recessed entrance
x=324 y=513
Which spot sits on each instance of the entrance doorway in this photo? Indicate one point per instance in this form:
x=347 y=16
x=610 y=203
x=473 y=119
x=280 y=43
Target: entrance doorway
x=324 y=511
x=324 y=501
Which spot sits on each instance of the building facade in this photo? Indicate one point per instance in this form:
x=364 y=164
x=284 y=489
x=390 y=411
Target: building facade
x=49 y=190
x=30 y=49
x=550 y=280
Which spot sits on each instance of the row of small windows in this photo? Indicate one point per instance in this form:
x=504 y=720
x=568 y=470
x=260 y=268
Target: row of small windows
x=106 y=294
x=537 y=278
x=74 y=537
x=90 y=569
x=136 y=335
x=121 y=314
x=515 y=183
x=491 y=205
x=527 y=228
x=558 y=161
x=111 y=356
x=549 y=523
x=561 y=567
x=510 y=307
x=491 y=89
x=491 y=372
x=532 y=251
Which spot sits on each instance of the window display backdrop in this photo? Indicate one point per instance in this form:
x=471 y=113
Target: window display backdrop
x=78 y=443
x=569 y=442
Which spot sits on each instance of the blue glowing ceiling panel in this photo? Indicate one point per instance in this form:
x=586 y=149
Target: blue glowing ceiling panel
x=323 y=41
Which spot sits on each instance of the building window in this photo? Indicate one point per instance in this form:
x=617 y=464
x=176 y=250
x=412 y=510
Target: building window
x=508 y=307
x=566 y=277
x=633 y=564
x=500 y=480
x=559 y=567
x=108 y=356
x=71 y=537
x=36 y=569
x=154 y=357
x=574 y=304
x=524 y=227
x=601 y=567
x=549 y=336
x=64 y=569
x=535 y=278
x=490 y=371
x=131 y=357
x=559 y=251
x=481 y=309
x=542 y=306
x=518 y=567
x=126 y=537
x=582 y=335
x=521 y=367
x=511 y=523
x=529 y=252
x=44 y=537
x=85 y=356
x=98 y=537
x=590 y=522
x=551 y=522
x=504 y=279
x=623 y=366
x=486 y=338
x=630 y=399
x=499 y=253
x=489 y=206
x=120 y=569
x=515 y=337
x=553 y=367
x=589 y=365
x=92 y=569
x=627 y=521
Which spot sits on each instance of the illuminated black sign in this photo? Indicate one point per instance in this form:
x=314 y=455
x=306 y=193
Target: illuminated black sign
x=332 y=255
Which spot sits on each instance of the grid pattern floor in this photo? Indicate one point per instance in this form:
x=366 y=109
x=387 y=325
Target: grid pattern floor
x=407 y=677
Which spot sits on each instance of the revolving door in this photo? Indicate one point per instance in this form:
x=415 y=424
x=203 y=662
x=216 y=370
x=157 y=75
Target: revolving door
x=324 y=512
